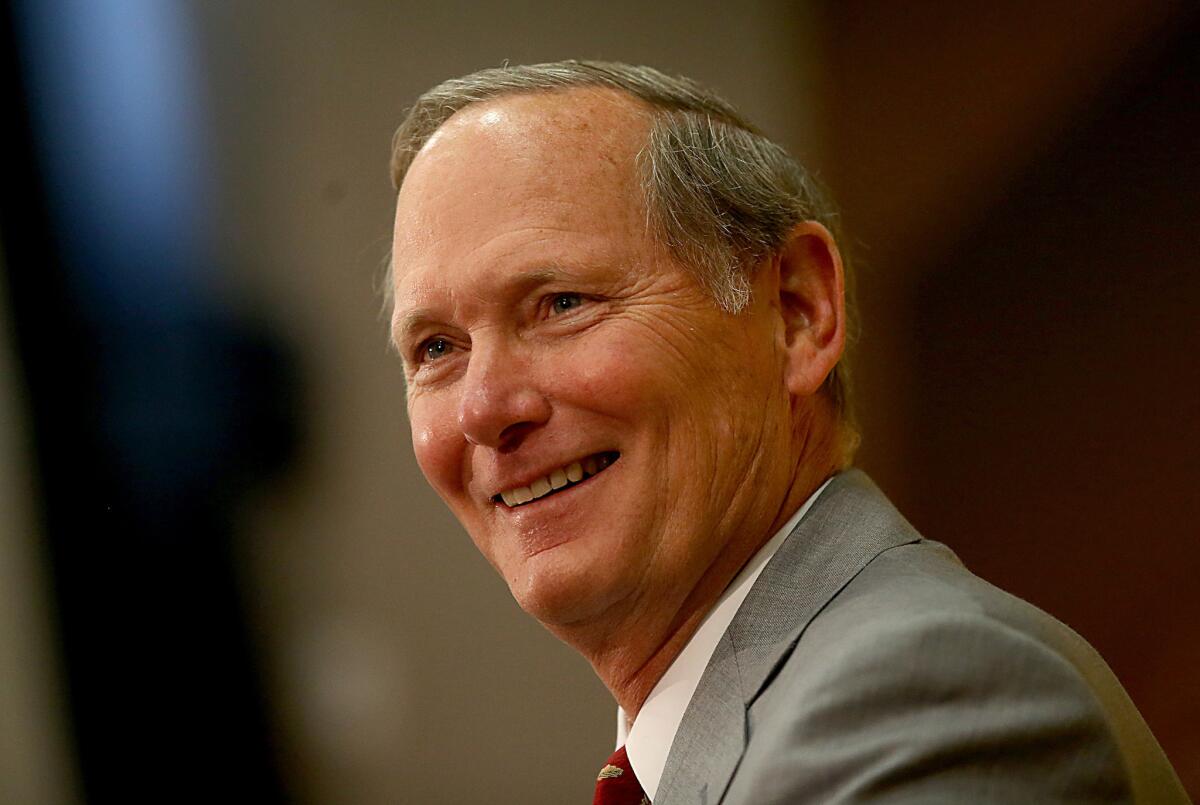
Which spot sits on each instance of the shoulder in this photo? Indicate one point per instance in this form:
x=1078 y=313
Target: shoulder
x=916 y=593
x=920 y=681
x=917 y=605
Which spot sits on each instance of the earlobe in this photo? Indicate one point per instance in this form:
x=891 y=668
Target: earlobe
x=812 y=305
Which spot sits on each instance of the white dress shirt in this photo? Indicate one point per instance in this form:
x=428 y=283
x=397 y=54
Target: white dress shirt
x=649 y=740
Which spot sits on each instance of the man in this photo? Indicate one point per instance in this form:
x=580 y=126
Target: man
x=621 y=312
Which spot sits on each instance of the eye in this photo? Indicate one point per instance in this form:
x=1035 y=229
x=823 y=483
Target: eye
x=434 y=348
x=563 y=302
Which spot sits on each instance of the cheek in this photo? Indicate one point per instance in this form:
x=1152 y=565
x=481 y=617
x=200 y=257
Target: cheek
x=621 y=375
x=438 y=446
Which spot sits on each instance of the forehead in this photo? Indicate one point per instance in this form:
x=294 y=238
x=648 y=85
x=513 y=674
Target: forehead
x=518 y=170
x=593 y=132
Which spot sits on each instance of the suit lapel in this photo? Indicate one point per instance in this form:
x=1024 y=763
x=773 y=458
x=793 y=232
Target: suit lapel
x=849 y=525
x=709 y=743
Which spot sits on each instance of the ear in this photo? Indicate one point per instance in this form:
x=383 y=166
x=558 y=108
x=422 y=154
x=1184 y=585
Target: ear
x=812 y=305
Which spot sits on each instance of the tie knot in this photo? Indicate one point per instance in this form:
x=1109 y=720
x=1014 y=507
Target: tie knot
x=616 y=783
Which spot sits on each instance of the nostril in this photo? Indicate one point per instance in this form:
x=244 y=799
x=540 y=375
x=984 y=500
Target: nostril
x=514 y=435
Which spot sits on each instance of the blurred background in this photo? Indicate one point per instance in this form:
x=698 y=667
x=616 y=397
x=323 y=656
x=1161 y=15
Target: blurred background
x=220 y=571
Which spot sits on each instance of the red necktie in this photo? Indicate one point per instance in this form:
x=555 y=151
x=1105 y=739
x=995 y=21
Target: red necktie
x=616 y=783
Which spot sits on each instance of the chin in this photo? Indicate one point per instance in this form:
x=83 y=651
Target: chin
x=566 y=594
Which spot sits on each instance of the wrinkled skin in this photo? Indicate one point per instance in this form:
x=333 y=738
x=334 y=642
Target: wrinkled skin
x=541 y=323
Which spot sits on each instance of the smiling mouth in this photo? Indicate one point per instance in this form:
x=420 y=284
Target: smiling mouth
x=558 y=480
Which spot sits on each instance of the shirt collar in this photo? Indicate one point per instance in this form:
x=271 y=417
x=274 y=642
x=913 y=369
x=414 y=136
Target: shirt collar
x=649 y=740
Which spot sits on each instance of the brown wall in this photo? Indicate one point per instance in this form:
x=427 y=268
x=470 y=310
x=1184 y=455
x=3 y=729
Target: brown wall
x=1027 y=184
x=1057 y=376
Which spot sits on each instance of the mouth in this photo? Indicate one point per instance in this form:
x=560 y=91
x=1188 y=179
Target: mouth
x=558 y=480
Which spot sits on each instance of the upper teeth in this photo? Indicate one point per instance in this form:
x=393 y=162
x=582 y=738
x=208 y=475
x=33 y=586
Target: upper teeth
x=557 y=479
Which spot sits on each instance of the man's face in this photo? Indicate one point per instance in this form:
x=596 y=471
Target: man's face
x=597 y=424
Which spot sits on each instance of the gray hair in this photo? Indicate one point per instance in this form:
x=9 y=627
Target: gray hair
x=720 y=194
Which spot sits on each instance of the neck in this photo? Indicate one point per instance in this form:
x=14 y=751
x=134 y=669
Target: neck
x=651 y=640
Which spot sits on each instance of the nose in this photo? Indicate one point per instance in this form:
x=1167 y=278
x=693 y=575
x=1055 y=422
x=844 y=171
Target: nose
x=500 y=403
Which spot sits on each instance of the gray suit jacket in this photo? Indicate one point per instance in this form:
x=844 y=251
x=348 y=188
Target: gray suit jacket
x=868 y=665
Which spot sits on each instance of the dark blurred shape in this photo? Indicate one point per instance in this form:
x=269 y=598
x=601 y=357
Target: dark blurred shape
x=156 y=407
x=1058 y=361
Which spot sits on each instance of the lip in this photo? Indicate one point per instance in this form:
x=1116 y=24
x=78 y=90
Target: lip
x=549 y=522
x=606 y=458
x=539 y=504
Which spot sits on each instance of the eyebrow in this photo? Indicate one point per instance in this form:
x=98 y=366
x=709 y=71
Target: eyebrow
x=403 y=327
x=517 y=285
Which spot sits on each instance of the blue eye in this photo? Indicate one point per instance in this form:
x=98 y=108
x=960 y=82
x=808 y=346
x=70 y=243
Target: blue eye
x=436 y=348
x=566 y=301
